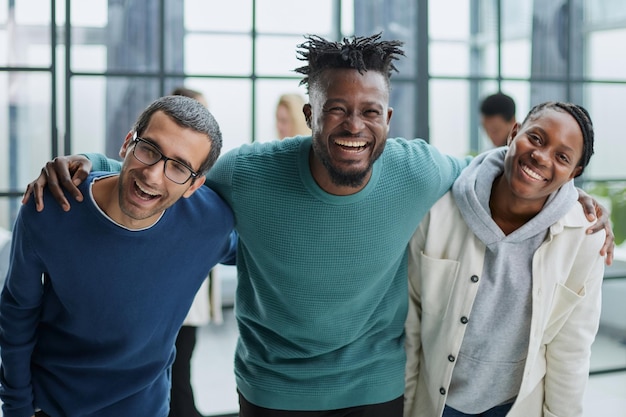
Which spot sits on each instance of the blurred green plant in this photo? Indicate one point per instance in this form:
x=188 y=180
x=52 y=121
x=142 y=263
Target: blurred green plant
x=613 y=191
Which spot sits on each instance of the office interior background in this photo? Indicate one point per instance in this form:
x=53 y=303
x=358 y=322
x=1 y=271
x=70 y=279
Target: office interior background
x=74 y=75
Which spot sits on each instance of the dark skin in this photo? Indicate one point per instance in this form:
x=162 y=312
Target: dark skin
x=349 y=116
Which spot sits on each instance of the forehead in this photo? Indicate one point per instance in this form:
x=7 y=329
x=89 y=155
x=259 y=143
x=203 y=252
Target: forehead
x=282 y=110
x=177 y=142
x=346 y=82
x=493 y=119
x=554 y=118
x=559 y=125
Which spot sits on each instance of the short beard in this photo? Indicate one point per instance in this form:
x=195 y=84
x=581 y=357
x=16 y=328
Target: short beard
x=342 y=179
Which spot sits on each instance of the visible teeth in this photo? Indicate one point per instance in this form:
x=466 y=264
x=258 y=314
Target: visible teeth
x=351 y=144
x=145 y=192
x=532 y=173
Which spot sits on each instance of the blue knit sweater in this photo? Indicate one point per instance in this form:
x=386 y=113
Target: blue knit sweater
x=322 y=279
x=95 y=336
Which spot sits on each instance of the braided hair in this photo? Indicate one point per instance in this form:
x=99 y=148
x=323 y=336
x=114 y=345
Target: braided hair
x=581 y=115
x=359 y=53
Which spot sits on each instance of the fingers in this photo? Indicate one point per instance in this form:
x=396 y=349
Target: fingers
x=81 y=167
x=27 y=193
x=62 y=173
x=53 y=181
x=590 y=206
x=603 y=223
x=608 y=248
x=35 y=189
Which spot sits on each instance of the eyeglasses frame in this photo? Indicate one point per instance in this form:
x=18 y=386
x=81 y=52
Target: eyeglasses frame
x=136 y=139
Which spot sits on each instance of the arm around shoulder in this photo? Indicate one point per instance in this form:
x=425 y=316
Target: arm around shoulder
x=100 y=162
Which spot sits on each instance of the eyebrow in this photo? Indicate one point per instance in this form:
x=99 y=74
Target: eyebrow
x=543 y=132
x=342 y=100
x=181 y=160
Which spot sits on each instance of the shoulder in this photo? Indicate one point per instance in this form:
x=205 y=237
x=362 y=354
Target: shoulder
x=257 y=154
x=267 y=148
x=53 y=219
x=418 y=163
x=570 y=240
x=206 y=197
x=422 y=156
x=575 y=222
x=402 y=145
x=412 y=155
x=52 y=208
x=444 y=214
x=206 y=203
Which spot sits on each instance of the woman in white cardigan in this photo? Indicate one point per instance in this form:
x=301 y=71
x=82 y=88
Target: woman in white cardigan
x=504 y=281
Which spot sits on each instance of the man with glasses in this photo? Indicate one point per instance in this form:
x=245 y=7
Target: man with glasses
x=95 y=296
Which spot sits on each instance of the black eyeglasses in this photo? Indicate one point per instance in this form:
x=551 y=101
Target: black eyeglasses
x=148 y=154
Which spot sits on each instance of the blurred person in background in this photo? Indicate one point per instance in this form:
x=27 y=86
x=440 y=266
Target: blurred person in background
x=290 y=120
x=497 y=117
x=188 y=92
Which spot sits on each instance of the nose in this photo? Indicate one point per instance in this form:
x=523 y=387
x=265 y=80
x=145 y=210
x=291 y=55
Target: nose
x=353 y=122
x=155 y=173
x=539 y=156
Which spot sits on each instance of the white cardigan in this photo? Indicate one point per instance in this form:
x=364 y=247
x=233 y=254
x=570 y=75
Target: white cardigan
x=445 y=266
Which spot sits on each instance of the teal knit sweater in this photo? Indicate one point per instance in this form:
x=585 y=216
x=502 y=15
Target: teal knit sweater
x=322 y=279
x=322 y=291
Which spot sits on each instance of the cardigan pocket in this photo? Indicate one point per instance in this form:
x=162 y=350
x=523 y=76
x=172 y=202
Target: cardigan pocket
x=437 y=279
x=563 y=303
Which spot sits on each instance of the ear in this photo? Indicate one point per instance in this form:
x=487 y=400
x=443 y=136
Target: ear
x=126 y=144
x=306 y=109
x=576 y=172
x=199 y=182
x=388 y=120
x=514 y=131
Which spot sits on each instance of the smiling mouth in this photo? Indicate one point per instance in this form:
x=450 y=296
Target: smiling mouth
x=351 y=145
x=144 y=194
x=532 y=174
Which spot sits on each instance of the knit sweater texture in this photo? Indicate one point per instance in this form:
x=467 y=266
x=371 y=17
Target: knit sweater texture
x=322 y=279
x=90 y=310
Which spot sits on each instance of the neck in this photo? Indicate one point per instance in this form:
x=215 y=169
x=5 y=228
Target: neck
x=105 y=194
x=507 y=211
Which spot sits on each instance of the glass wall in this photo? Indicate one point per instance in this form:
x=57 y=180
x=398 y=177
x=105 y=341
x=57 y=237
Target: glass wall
x=241 y=55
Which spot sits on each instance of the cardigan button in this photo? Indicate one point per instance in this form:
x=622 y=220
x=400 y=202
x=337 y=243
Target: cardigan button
x=464 y=320
x=474 y=278
x=442 y=391
x=451 y=358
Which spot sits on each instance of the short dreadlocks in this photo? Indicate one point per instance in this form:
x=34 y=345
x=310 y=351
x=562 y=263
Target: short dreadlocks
x=359 y=53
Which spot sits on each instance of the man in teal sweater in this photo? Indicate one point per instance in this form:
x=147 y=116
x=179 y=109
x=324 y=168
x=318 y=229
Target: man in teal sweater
x=323 y=225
